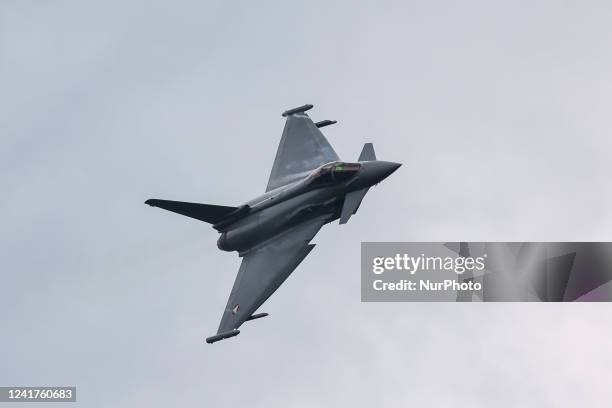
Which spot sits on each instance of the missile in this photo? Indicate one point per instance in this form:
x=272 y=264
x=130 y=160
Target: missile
x=303 y=108
x=256 y=316
x=325 y=122
x=223 y=335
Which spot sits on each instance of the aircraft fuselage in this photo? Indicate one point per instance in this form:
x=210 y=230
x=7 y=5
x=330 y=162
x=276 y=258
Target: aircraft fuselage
x=277 y=211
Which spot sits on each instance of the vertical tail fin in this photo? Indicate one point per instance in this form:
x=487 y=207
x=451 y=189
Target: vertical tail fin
x=203 y=212
x=367 y=153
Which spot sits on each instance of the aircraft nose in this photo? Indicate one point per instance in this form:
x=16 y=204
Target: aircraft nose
x=377 y=171
x=383 y=169
x=386 y=168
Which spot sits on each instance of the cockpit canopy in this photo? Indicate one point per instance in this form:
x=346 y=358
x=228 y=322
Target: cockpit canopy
x=333 y=172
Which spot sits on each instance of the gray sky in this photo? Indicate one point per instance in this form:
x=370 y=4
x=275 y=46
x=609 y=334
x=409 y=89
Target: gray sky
x=500 y=112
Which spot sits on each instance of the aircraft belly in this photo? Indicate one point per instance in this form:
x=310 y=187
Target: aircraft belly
x=270 y=222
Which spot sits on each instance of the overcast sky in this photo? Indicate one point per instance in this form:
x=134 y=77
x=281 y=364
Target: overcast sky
x=499 y=111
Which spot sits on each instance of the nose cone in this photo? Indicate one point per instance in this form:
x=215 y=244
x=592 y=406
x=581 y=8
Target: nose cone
x=385 y=169
x=374 y=172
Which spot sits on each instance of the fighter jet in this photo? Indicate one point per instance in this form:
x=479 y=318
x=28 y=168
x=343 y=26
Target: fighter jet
x=309 y=186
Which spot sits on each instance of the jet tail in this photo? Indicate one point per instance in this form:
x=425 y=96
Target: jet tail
x=367 y=153
x=209 y=213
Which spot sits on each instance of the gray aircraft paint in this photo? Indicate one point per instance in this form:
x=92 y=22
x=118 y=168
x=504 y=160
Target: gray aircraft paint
x=308 y=187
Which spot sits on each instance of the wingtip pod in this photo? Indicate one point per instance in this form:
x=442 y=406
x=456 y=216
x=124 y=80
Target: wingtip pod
x=299 y=109
x=222 y=336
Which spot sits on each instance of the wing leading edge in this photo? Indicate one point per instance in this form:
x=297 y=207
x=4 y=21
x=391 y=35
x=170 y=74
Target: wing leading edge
x=302 y=148
x=263 y=270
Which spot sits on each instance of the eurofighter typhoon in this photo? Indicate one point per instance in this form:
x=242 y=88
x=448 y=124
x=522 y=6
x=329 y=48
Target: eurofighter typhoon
x=309 y=186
